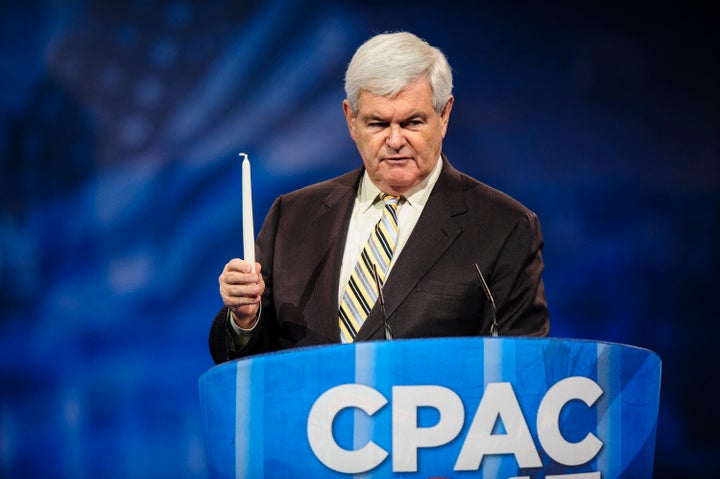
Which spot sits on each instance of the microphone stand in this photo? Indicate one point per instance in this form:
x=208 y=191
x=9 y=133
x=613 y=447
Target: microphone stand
x=381 y=299
x=488 y=294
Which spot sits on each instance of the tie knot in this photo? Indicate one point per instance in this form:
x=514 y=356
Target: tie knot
x=390 y=200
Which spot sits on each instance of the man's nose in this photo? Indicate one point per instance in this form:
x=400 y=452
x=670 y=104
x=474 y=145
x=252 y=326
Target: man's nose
x=396 y=139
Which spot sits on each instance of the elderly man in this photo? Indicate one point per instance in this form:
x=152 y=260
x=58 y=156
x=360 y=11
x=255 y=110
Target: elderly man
x=398 y=248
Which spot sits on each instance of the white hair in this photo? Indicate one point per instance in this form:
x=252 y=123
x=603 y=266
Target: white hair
x=387 y=63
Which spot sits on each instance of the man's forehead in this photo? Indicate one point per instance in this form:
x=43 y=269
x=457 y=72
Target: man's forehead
x=409 y=102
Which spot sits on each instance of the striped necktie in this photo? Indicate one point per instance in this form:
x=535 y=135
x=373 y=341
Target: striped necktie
x=361 y=291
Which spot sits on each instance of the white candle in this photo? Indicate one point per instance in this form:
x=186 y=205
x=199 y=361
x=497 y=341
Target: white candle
x=247 y=213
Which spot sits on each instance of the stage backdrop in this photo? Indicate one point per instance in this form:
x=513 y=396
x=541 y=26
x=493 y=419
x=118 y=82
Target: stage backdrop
x=121 y=122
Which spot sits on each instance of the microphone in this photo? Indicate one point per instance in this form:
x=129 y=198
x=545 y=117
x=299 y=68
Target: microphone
x=489 y=296
x=381 y=299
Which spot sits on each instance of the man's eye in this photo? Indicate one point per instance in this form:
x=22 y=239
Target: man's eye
x=377 y=125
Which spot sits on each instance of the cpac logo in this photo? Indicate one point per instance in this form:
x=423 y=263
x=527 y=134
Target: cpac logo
x=497 y=403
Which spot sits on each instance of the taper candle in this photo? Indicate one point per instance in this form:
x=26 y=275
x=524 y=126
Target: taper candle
x=247 y=213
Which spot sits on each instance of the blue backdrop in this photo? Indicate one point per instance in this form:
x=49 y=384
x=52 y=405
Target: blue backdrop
x=120 y=200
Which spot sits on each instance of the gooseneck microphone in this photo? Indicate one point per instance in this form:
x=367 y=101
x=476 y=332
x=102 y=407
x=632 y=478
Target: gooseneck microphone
x=488 y=294
x=381 y=299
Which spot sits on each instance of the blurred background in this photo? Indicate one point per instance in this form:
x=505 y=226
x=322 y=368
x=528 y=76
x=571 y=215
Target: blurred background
x=120 y=127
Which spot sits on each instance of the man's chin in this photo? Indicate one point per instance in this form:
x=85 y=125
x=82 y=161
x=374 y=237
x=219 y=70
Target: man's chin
x=400 y=185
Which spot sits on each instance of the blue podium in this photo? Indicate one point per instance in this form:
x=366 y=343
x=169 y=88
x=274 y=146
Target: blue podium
x=435 y=408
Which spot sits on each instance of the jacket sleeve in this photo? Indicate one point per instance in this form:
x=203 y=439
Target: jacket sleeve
x=264 y=337
x=517 y=284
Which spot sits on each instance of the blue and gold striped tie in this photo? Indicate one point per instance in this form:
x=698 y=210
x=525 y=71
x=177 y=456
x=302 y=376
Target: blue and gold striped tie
x=361 y=291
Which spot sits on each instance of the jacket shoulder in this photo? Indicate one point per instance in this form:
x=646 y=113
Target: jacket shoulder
x=479 y=196
x=322 y=190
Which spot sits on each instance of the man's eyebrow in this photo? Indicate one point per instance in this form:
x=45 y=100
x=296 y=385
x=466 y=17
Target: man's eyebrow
x=416 y=115
x=372 y=117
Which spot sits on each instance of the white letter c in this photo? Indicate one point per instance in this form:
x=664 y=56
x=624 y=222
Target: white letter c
x=319 y=428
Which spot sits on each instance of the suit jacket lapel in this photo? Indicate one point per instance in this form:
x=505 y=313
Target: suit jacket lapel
x=329 y=229
x=433 y=234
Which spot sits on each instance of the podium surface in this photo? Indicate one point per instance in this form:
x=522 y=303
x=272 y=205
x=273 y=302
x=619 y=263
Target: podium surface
x=435 y=408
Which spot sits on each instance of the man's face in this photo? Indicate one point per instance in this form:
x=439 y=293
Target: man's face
x=400 y=138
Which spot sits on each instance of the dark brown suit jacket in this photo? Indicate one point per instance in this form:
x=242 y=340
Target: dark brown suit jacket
x=433 y=289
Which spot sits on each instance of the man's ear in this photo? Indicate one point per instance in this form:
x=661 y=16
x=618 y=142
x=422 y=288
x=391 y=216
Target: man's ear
x=349 y=118
x=445 y=115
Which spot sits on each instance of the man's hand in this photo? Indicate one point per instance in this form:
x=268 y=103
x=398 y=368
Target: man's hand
x=241 y=291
